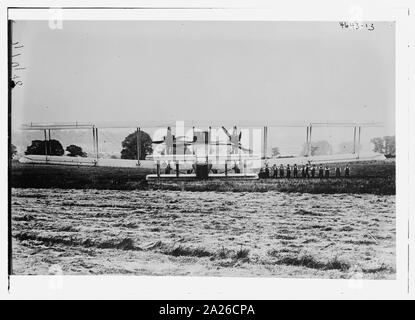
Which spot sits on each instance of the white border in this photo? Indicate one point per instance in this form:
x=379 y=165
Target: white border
x=411 y=171
x=143 y=287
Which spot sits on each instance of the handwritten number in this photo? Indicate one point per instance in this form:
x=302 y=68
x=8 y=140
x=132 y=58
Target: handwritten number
x=356 y=25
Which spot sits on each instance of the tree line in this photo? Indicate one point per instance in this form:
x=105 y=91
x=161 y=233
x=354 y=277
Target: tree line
x=54 y=148
x=384 y=145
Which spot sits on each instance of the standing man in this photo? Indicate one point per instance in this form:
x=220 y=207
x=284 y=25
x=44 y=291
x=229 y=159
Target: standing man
x=302 y=172
x=313 y=171
x=320 y=171
x=266 y=171
x=327 y=172
x=288 y=171
x=275 y=169
x=281 y=171
x=347 y=171
x=307 y=171
x=295 y=171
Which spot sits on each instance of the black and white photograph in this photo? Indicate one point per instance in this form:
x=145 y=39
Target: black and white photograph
x=203 y=148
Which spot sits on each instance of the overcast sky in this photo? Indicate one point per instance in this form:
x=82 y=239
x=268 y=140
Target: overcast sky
x=168 y=71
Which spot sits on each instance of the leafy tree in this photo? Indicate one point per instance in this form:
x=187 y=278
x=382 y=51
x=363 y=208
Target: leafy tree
x=42 y=147
x=318 y=148
x=129 y=146
x=378 y=145
x=12 y=150
x=390 y=146
x=385 y=145
x=75 y=151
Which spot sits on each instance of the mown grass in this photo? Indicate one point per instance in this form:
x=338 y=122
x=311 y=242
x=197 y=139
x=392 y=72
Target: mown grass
x=70 y=240
x=309 y=261
x=26 y=218
x=72 y=177
x=382 y=268
x=242 y=254
x=222 y=253
x=185 y=251
x=67 y=228
x=380 y=186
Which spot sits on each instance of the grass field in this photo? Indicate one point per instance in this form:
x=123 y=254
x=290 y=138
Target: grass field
x=84 y=221
x=270 y=234
x=72 y=177
x=376 y=177
x=380 y=186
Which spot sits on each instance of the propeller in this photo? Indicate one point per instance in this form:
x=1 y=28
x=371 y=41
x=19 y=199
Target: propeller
x=232 y=141
x=244 y=149
x=226 y=132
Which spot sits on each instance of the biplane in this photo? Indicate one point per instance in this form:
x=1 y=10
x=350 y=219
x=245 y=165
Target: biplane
x=199 y=155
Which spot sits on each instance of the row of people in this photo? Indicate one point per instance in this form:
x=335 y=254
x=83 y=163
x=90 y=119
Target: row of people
x=306 y=171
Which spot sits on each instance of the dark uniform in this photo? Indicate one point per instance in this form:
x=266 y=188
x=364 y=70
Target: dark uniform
x=266 y=172
x=320 y=172
x=168 y=169
x=337 y=172
x=307 y=171
x=326 y=172
x=281 y=171
x=302 y=172
x=295 y=171
x=313 y=171
x=275 y=168
x=288 y=171
x=347 y=171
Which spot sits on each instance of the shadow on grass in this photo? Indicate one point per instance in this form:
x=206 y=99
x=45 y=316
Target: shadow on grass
x=180 y=251
x=309 y=261
x=70 y=240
